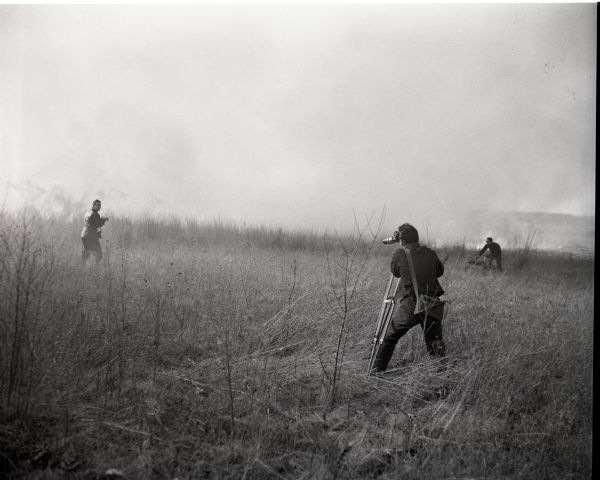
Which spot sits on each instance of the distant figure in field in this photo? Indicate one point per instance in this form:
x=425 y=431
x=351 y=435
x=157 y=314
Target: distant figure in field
x=494 y=253
x=90 y=235
x=427 y=269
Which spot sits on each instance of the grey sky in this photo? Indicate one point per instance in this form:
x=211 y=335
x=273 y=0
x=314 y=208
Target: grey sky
x=298 y=115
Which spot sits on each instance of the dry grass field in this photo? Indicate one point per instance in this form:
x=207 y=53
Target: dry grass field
x=224 y=352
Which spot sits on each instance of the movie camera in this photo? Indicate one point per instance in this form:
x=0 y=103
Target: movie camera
x=395 y=238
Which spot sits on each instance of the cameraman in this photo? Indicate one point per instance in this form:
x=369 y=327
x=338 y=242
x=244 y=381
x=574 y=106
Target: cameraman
x=428 y=268
x=90 y=235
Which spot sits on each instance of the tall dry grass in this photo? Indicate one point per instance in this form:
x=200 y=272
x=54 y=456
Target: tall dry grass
x=214 y=351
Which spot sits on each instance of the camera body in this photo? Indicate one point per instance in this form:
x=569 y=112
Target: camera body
x=395 y=238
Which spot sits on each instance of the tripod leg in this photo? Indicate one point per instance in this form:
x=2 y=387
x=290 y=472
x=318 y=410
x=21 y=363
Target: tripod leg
x=380 y=319
x=383 y=334
x=384 y=304
x=382 y=325
x=383 y=321
x=381 y=337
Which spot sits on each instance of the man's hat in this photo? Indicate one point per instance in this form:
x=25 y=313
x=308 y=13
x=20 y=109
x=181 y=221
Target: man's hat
x=408 y=233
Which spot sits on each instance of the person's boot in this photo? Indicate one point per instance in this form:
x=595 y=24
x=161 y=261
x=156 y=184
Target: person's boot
x=384 y=354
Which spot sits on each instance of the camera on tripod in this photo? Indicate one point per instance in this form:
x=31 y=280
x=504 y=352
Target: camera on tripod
x=395 y=238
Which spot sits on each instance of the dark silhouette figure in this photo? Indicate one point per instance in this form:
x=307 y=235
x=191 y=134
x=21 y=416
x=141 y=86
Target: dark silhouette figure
x=494 y=253
x=90 y=235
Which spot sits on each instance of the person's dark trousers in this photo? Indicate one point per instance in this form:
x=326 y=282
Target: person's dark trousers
x=432 y=331
x=499 y=263
x=403 y=319
x=90 y=246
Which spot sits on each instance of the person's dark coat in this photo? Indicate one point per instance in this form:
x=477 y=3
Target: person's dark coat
x=428 y=268
x=494 y=248
x=93 y=221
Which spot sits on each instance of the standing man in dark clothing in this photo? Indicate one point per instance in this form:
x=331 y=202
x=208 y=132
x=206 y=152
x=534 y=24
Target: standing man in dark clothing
x=427 y=268
x=495 y=252
x=90 y=235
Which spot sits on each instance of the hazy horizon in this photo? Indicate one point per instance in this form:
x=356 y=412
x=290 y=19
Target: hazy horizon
x=300 y=115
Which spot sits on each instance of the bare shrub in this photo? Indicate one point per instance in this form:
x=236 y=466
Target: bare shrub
x=346 y=263
x=524 y=251
x=27 y=269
